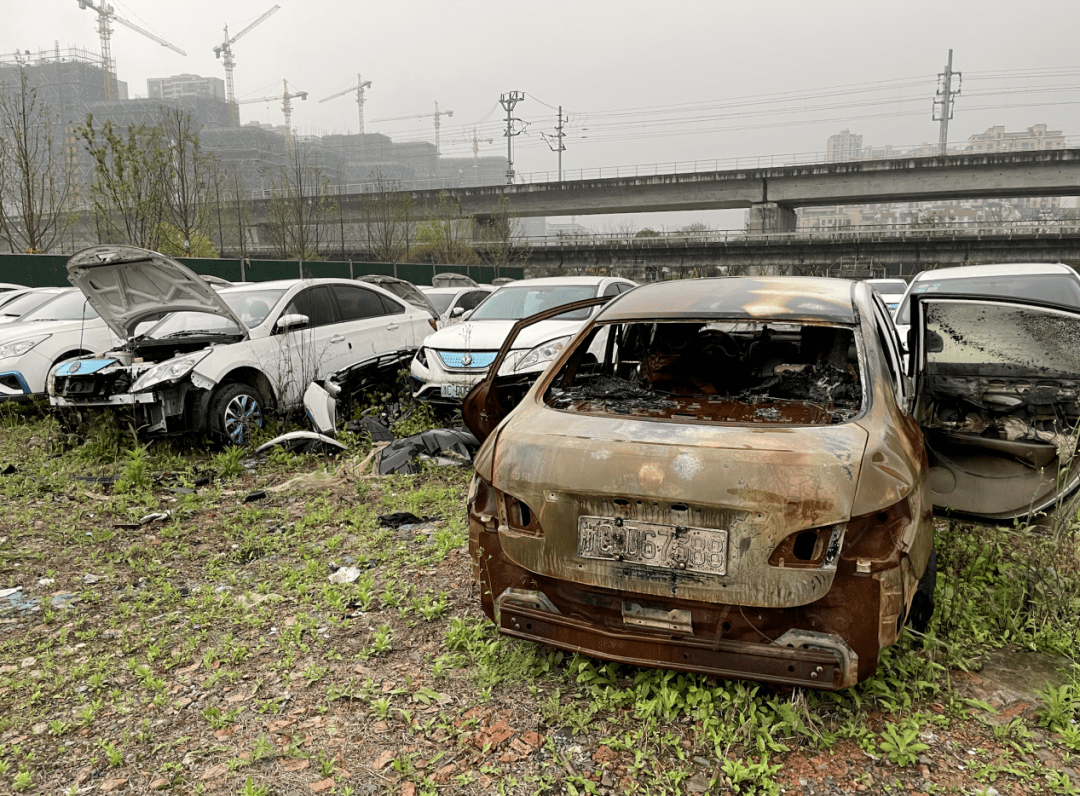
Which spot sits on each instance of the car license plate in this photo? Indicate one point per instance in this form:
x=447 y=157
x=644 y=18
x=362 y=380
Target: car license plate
x=455 y=390
x=653 y=545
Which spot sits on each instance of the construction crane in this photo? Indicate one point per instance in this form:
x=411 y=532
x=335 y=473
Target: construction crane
x=437 y=114
x=359 y=88
x=225 y=50
x=105 y=14
x=476 y=141
x=286 y=108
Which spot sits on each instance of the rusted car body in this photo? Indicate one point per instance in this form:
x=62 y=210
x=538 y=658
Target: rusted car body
x=728 y=476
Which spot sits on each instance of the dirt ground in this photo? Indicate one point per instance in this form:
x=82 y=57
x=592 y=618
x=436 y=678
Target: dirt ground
x=206 y=650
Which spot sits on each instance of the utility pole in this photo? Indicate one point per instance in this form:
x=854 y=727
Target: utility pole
x=943 y=108
x=558 y=146
x=508 y=101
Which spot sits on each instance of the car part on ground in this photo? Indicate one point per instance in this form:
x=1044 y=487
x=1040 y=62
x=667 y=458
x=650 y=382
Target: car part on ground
x=728 y=476
x=303 y=442
x=442 y=446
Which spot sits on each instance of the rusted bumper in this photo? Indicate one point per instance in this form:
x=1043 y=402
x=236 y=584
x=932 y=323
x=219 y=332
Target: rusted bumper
x=829 y=644
x=805 y=666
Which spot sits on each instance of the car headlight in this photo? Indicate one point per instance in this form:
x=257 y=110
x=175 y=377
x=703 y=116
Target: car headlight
x=20 y=347
x=171 y=370
x=545 y=352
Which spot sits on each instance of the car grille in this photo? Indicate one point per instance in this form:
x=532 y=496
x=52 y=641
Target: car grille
x=456 y=359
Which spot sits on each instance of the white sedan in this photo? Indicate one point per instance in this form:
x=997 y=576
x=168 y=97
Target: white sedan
x=220 y=359
x=454 y=359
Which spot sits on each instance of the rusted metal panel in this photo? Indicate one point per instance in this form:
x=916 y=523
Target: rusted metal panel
x=778 y=298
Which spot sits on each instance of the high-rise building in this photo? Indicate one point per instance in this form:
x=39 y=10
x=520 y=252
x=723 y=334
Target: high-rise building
x=843 y=146
x=179 y=86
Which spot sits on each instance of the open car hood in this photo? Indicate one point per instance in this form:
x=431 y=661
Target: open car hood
x=128 y=285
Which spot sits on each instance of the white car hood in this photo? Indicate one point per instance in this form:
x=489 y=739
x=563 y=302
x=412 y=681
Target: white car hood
x=127 y=285
x=489 y=335
x=20 y=330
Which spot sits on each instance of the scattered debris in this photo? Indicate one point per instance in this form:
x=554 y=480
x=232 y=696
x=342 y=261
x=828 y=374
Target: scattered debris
x=345 y=575
x=444 y=446
x=253 y=496
x=155 y=517
x=10 y=469
x=303 y=442
x=372 y=427
x=402 y=519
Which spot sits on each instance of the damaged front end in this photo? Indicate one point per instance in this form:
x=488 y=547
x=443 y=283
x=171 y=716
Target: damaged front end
x=165 y=396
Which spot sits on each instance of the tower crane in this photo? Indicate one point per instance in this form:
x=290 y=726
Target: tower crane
x=224 y=50
x=437 y=114
x=359 y=89
x=105 y=14
x=286 y=108
x=476 y=141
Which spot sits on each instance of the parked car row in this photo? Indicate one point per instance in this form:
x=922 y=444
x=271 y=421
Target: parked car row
x=733 y=476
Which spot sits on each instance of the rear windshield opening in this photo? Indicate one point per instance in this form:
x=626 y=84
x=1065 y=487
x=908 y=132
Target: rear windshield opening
x=741 y=372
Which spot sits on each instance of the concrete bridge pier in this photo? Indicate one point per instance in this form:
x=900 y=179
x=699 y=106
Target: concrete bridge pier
x=766 y=217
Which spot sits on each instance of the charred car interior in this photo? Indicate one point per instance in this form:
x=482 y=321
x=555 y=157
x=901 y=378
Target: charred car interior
x=718 y=372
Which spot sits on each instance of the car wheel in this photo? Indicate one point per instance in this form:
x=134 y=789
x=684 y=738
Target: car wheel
x=236 y=410
x=922 y=605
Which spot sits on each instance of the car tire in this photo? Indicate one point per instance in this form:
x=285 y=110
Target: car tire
x=236 y=410
x=922 y=605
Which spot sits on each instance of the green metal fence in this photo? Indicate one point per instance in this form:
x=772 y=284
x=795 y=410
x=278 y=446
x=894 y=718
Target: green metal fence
x=47 y=270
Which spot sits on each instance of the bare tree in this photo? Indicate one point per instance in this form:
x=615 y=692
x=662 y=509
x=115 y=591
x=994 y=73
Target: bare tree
x=300 y=207
x=127 y=194
x=231 y=215
x=389 y=217
x=504 y=237
x=36 y=171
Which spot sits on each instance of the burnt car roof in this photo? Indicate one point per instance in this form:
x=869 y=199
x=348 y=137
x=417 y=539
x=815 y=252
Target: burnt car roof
x=775 y=297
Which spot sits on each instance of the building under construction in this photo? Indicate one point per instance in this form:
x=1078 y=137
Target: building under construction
x=74 y=84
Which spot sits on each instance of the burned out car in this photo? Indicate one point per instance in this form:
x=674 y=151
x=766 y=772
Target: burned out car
x=195 y=357
x=734 y=476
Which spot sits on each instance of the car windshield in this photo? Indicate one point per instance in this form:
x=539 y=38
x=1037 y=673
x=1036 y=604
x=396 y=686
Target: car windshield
x=251 y=306
x=441 y=300
x=1061 y=289
x=513 y=303
x=704 y=371
x=69 y=306
x=23 y=304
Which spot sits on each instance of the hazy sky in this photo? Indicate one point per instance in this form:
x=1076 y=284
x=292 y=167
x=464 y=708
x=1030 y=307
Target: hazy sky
x=761 y=78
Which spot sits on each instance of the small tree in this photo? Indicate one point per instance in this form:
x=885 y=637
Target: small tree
x=189 y=181
x=444 y=238
x=128 y=192
x=36 y=173
x=503 y=236
x=389 y=221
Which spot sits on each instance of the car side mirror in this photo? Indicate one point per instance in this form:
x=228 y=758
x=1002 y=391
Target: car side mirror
x=291 y=321
x=457 y=312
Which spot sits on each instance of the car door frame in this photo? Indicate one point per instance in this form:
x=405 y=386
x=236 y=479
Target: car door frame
x=986 y=446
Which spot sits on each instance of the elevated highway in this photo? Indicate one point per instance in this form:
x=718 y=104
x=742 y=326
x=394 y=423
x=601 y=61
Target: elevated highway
x=771 y=194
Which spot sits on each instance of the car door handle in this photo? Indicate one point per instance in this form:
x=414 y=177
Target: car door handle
x=393 y=327
x=337 y=338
